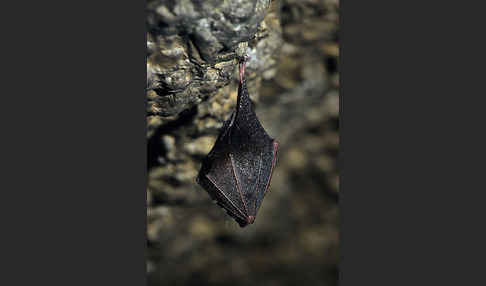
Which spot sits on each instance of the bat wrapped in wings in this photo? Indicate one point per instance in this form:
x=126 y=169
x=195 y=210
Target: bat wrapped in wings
x=237 y=171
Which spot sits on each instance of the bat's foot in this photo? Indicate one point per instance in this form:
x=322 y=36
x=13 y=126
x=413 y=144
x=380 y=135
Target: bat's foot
x=242 y=65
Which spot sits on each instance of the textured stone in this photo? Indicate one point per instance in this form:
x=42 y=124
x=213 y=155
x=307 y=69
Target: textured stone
x=294 y=82
x=192 y=48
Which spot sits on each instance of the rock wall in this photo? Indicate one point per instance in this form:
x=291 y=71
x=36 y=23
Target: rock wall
x=191 y=89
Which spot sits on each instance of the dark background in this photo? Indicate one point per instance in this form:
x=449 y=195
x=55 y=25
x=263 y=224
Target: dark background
x=294 y=82
x=74 y=164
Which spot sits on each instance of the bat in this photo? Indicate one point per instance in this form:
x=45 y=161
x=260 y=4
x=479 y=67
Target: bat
x=237 y=171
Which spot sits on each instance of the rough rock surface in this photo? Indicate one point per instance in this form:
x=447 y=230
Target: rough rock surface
x=191 y=90
x=192 y=46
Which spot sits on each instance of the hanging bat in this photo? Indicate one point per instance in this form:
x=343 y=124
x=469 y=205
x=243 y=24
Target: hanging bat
x=237 y=171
